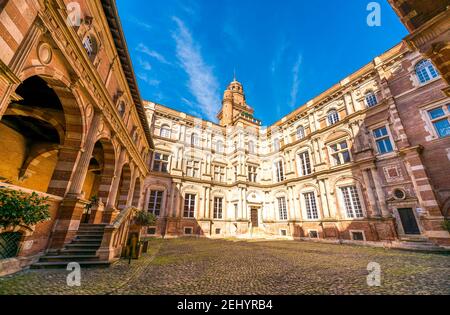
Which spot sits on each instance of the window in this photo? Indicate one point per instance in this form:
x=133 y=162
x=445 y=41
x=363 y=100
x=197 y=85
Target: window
x=193 y=169
x=252 y=173
x=195 y=140
x=352 y=203
x=357 y=235
x=276 y=145
x=155 y=202
x=151 y=231
x=282 y=208
x=219 y=147
x=311 y=206
x=121 y=109
x=218 y=231
x=161 y=163
x=425 y=71
x=236 y=211
x=90 y=46
x=236 y=172
x=313 y=234
x=340 y=153
x=305 y=163
x=165 y=132
x=219 y=173
x=189 y=206
x=371 y=99
x=333 y=117
x=382 y=140
x=283 y=232
x=279 y=171
x=300 y=133
x=188 y=231
x=440 y=118
x=251 y=147
x=218 y=206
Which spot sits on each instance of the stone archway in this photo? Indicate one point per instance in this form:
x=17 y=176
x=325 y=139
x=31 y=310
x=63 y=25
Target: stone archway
x=44 y=118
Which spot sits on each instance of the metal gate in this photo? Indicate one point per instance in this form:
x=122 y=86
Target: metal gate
x=9 y=244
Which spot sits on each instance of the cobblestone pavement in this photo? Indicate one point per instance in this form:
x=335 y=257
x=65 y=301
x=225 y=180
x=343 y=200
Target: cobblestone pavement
x=202 y=266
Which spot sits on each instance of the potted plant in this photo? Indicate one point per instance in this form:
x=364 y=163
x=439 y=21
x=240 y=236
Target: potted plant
x=144 y=219
x=19 y=209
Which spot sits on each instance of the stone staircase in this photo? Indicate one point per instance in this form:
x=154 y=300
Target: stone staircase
x=82 y=250
x=419 y=243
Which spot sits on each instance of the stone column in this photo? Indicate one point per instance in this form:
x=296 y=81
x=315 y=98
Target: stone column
x=115 y=184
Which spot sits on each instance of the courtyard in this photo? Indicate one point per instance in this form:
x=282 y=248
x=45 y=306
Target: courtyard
x=217 y=267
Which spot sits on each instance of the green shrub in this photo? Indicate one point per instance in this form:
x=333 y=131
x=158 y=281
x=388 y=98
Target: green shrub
x=144 y=218
x=446 y=225
x=21 y=209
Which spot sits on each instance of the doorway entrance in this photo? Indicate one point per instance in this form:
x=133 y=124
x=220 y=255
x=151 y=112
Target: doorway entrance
x=254 y=217
x=409 y=221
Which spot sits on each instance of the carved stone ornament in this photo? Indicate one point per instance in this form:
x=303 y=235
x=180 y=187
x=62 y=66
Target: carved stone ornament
x=45 y=53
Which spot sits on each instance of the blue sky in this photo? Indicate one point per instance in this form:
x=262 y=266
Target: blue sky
x=285 y=52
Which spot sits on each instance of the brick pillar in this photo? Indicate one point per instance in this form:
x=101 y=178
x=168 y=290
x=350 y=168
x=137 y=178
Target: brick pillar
x=372 y=201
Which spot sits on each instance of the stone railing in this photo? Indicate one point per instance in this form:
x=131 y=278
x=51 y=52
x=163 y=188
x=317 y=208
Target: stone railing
x=116 y=234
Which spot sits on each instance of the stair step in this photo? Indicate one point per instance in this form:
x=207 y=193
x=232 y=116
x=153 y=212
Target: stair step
x=90 y=233
x=58 y=264
x=69 y=258
x=87 y=241
x=73 y=251
x=82 y=246
x=89 y=237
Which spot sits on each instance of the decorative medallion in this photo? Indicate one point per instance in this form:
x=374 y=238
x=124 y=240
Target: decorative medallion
x=45 y=53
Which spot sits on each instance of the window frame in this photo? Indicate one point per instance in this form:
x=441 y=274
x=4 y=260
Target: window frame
x=432 y=121
x=331 y=118
x=191 y=165
x=371 y=99
x=300 y=133
x=388 y=136
x=282 y=208
x=153 y=209
x=190 y=207
x=424 y=65
x=252 y=173
x=165 y=129
x=346 y=211
x=218 y=207
x=307 y=203
x=305 y=168
x=280 y=175
x=339 y=153
x=161 y=162
x=221 y=173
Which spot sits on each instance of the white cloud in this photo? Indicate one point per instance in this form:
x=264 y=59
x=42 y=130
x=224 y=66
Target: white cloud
x=140 y=23
x=144 y=64
x=278 y=57
x=154 y=54
x=202 y=82
x=144 y=77
x=295 y=81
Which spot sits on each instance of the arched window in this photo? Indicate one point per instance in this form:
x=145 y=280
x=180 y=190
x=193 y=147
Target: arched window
x=165 y=131
x=219 y=146
x=371 y=99
x=90 y=45
x=251 y=147
x=333 y=117
x=425 y=71
x=195 y=140
x=300 y=132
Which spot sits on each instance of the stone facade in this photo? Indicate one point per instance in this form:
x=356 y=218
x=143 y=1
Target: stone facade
x=72 y=124
x=361 y=161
